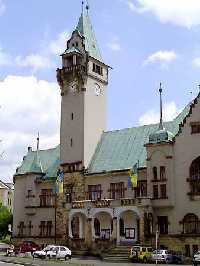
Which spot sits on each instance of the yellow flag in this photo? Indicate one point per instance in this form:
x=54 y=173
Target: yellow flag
x=60 y=187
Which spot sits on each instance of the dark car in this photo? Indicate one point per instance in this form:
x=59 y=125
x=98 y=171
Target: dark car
x=177 y=258
x=28 y=246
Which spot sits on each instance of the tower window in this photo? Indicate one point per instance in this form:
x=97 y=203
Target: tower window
x=73 y=44
x=76 y=44
x=71 y=142
x=72 y=116
x=155 y=192
x=155 y=175
x=195 y=128
x=97 y=69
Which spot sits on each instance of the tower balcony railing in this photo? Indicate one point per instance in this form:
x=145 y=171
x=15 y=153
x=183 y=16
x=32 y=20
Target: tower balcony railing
x=72 y=68
x=111 y=203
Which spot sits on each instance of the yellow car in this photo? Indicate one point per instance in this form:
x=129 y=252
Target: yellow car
x=140 y=253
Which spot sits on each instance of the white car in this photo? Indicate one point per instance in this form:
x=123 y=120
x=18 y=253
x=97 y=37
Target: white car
x=59 y=252
x=161 y=255
x=196 y=258
x=42 y=253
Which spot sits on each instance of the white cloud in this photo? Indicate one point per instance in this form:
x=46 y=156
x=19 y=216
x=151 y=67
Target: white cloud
x=163 y=57
x=35 y=61
x=5 y=59
x=196 y=61
x=114 y=45
x=152 y=116
x=28 y=105
x=2 y=7
x=58 y=45
x=179 y=12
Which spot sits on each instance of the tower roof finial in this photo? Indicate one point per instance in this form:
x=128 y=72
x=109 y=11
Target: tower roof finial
x=161 y=111
x=38 y=141
x=82 y=6
x=87 y=6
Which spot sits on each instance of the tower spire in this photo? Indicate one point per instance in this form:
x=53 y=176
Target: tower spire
x=161 y=111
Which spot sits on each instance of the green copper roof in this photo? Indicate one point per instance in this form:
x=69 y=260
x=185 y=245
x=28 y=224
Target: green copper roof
x=72 y=50
x=161 y=135
x=36 y=166
x=49 y=159
x=121 y=149
x=85 y=29
x=117 y=150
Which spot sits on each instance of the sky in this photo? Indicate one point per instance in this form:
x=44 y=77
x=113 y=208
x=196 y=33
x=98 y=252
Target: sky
x=145 y=41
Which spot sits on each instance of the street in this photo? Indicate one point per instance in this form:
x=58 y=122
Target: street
x=72 y=262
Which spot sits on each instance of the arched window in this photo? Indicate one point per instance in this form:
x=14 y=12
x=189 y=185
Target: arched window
x=190 y=224
x=162 y=173
x=155 y=174
x=195 y=177
x=75 y=227
x=121 y=227
x=97 y=227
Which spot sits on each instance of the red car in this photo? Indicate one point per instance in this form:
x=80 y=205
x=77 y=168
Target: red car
x=28 y=246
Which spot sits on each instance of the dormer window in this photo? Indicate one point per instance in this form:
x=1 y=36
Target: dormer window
x=195 y=127
x=73 y=44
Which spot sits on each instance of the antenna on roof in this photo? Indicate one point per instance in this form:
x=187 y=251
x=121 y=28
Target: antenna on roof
x=161 y=111
x=38 y=141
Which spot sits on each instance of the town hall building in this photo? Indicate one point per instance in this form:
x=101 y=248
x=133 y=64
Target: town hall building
x=98 y=209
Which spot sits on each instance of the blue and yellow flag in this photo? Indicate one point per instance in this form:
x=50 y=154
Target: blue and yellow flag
x=59 y=182
x=133 y=175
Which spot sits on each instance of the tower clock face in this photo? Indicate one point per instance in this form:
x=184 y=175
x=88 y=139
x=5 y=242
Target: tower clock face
x=97 y=90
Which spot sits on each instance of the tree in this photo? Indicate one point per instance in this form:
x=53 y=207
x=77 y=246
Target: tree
x=5 y=220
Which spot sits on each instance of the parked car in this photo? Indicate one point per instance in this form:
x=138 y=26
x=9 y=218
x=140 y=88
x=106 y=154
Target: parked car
x=42 y=253
x=59 y=252
x=3 y=247
x=196 y=258
x=28 y=246
x=161 y=255
x=140 y=253
x=177 y=257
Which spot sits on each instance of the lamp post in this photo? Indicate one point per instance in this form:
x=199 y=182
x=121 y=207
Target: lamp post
x=157 y=235
x=55 y=218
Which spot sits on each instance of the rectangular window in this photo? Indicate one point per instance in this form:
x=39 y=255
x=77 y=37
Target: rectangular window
x=163 y=224
x=49 y=227
x=141 y=190
x=194 y=249
x=30 y=228
x=195 y=129
x=21 y=228
x=69 y=194
x=163 y=191
x=46 y=198
x=94 y=192
x=97 y=69
x=155 y=191
x=162 y=173
x=117 y=190
x=187 y=250
x=155 y=176
x=42 y=228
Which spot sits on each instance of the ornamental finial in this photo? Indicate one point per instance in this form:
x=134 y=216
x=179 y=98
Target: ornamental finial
x=87 y=6
x=38 y=141
x=161 y=111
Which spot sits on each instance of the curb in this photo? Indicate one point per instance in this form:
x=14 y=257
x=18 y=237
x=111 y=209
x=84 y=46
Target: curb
x=19 y=263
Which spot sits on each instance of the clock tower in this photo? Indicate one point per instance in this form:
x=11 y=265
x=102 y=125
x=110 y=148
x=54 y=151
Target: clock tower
x=83 y=81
